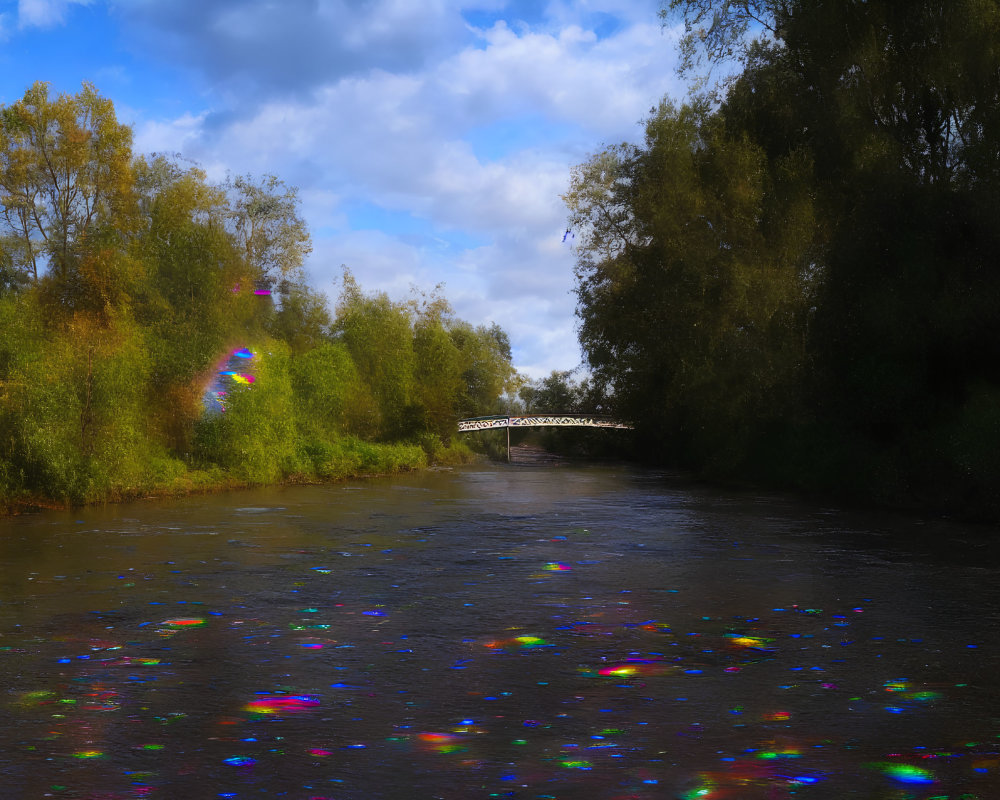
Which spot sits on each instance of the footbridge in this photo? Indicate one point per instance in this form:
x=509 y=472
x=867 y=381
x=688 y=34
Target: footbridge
x=538 y=421
x=509 y=421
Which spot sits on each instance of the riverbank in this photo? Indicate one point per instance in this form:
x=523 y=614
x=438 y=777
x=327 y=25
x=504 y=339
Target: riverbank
x=356 y=459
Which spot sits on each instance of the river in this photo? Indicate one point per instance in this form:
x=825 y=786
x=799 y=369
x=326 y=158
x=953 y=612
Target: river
x=590 y=632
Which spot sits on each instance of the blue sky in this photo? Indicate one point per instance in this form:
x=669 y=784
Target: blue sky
x=430 y=139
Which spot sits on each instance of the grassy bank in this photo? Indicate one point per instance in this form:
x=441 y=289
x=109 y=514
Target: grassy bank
x=346 y=459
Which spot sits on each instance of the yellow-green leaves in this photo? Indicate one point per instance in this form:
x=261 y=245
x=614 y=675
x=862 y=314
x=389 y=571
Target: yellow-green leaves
x=65 y=178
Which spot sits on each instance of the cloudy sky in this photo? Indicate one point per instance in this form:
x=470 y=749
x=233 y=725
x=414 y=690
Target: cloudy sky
x=430 y=139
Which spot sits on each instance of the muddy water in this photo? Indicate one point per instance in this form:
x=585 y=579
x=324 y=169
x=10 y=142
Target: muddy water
x=497 y=631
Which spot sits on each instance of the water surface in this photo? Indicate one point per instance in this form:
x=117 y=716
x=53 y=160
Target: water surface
x=497 y=631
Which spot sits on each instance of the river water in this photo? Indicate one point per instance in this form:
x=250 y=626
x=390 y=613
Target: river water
x=497 y=631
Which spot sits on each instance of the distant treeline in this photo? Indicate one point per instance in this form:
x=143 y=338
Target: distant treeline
x=795 y=277
x=125 y=280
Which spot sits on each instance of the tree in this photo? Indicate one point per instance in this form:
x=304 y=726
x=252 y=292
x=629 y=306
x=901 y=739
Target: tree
x=691 y=294
x=438 y=365
x=301 y=318
x=264 y=218
x=487 y=372
x=716 y=30
x=378 y=334
x=65 y=178
x=848 y=175
x=554 y=394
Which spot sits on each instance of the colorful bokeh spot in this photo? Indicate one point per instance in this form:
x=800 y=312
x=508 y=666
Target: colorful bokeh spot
x=230 y=373
x=771 y=755
x=442 y=742
x=517 y=641
x=905 y=773
x=751 y=642
x=632 y=667
x=282 y=703
x=185 y=622
x=238 y=377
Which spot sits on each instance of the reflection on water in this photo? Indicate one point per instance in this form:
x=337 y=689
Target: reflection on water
x=496 y=632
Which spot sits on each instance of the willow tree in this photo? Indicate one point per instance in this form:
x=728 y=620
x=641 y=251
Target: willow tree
x=378 y=333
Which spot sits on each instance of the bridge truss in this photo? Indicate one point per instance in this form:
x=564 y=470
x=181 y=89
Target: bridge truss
x=538 y=421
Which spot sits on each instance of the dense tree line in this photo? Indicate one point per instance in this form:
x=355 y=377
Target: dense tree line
x=123 y=281
x=795 y=275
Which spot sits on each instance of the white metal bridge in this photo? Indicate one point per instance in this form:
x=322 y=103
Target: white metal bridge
x=538 y=421
x=509 y=421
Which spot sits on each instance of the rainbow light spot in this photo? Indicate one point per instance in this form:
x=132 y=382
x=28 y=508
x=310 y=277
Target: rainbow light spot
x=620 y=671
x=274 y=705
x=557 y=566
x=770 y=755
x=239 y=377
x=243 y=353
x=700 y=793
x=904 y=773
x=754 y=642
x=442 y=742
x=436 y=738
x=89 y=754
x=185 y=622
x=240 y=761
x=634 y=666
x=517 y=641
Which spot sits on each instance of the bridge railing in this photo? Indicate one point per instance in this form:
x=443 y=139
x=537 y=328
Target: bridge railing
x=538 y=421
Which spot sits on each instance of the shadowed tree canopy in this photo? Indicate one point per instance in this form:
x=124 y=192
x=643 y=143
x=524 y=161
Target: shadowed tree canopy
x=796 y=274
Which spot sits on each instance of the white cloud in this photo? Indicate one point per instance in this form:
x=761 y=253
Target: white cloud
x=275 y=49
x=44 y=13
x=402 y=140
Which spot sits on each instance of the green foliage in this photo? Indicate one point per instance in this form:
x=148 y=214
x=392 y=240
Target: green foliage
x=795 y=277
x=691 y=306
x=487 y=373
x=350 y=456
x=254 y=439
x=73 y=413
x=66 y=176
x=378 y=334
x=123 y=282
x=264 y=220
x=302 y=318
x=330 y=395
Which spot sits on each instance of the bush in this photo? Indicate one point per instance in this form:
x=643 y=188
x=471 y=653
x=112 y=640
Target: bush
x=254 y=439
